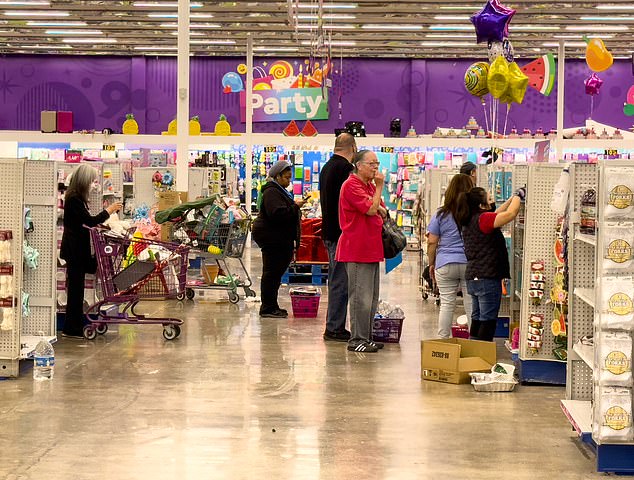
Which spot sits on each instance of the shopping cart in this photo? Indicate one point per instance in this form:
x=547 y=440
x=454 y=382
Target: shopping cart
x=217 y=237
x=131 y=269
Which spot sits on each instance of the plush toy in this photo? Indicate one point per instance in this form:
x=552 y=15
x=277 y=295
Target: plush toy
x=117 y=225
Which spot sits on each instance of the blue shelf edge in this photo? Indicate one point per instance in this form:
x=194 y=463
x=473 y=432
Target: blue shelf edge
x=541 y=371
x=612 y=458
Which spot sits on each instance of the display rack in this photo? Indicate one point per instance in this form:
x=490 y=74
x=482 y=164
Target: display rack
x=145 y=193
x=592 y=372
x=539 y=365
x=519 y=180
x=12 y=218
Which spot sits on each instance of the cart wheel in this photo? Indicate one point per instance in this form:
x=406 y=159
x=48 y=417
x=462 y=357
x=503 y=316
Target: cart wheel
x=438 y=302
x=190 y=293
x=180 y=296
x=101 y=328
x=170 y=332
x=234 y=297
x=425 y=296
x=90 y=332
x=249 y=293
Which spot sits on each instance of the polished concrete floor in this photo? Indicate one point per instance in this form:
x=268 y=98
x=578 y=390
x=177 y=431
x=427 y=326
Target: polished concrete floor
x=239 y=397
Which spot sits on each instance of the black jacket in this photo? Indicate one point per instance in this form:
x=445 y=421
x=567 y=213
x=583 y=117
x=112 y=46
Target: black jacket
x=76 y=238
x=277 y=223
x=333 y=174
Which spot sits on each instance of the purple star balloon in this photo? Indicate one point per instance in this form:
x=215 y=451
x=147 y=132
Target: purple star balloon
x=492 y=22
x=593 y=84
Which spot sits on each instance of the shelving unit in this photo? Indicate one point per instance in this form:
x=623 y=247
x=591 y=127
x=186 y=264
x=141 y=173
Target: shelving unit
x=519 y=179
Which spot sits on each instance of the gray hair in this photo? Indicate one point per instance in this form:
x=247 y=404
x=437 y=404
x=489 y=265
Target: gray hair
x=358 y=157
x=81 y=181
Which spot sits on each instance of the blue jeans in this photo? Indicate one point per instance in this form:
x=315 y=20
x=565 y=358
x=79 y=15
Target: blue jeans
x=487 y=296
x=337 y=290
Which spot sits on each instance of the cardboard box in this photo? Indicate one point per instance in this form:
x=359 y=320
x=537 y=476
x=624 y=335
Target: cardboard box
x=48 y=121
x=166 y=200
x=452 y=360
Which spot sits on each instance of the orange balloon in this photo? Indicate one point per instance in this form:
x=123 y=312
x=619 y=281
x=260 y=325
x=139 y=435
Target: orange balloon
x=598 y=57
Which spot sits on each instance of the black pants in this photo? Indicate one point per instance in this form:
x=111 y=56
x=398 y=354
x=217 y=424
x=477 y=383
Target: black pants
x=75 y=278
x=275 y=261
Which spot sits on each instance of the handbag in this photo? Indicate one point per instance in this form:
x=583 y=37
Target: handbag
x=394 y=240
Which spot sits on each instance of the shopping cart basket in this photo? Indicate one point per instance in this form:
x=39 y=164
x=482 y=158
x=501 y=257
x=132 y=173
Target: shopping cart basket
x=131 y=269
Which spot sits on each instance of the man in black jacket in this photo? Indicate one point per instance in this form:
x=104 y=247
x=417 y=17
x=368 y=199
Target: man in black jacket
x=333 y=174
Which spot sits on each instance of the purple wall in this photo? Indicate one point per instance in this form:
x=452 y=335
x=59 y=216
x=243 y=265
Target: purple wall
x=423 y=93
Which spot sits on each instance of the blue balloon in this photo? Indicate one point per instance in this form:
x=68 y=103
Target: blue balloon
x=233 y=81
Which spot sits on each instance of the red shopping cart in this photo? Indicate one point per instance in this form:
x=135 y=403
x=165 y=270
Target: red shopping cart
x=131 y=269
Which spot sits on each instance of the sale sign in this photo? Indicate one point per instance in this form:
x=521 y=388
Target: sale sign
x=287 y=104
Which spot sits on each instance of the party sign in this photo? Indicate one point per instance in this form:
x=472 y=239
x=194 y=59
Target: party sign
x=287 y=104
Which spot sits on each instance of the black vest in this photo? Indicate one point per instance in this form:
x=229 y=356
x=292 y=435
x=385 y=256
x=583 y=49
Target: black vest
x=486 y=253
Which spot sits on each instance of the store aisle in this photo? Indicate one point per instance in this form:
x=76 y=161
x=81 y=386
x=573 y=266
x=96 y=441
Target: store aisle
x=239 y=397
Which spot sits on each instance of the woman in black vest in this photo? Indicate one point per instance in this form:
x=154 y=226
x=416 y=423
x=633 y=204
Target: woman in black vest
x=487 y=257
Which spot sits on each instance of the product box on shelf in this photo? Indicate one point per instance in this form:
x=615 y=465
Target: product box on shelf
x=65 y=122
x=48 y=121
x=452 y=360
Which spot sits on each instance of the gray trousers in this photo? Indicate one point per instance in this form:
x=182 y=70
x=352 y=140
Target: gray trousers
x=449 y=279
x=363 y=299
x=337 y=291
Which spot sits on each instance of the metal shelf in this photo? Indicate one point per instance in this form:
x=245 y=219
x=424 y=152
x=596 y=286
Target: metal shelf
x=589 y=239
x=585 y=294
x=29 y=342
x=586 y=353
x=518 y=295
x=579 y=413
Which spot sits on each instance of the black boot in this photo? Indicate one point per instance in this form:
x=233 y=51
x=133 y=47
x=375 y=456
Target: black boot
x=474 y=332
x=487 y=330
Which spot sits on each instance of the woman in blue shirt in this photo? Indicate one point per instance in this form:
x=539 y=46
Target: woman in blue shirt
x=447 y=259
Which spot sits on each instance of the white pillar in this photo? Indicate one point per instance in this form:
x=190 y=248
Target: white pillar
x=248 y=181
x=561 y=76
x=182 y=101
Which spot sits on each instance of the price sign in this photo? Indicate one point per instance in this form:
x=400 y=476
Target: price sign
x=387 y=149
x=270 y=149
x=109 y=148
x=612 y=153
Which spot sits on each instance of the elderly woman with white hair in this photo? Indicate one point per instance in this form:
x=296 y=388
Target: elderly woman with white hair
x=276 y=230
x=75 y=249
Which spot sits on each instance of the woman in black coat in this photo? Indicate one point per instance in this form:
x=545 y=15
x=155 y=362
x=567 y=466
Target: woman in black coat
x=75 y=249
x=276 y=231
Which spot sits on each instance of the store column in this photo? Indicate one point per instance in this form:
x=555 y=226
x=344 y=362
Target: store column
x=182 y=101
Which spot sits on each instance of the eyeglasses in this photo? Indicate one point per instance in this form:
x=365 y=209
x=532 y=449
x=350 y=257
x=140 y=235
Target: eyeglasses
x=372 y=164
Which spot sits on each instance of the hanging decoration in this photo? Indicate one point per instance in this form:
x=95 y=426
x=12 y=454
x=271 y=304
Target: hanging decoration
x=598 y=57
x=492 y=22
x=541 y=73
x=628 y=107
x=593 y=84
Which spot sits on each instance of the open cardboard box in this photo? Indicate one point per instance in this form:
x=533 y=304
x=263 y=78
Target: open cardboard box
x=451 y=360
x=167 y=200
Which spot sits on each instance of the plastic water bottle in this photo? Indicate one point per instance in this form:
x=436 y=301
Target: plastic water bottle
x=44 y=360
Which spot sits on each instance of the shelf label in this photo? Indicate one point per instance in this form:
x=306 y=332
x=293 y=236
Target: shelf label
x=387 y=149
x=270 y=149
x=108 y=147
x=612 y=152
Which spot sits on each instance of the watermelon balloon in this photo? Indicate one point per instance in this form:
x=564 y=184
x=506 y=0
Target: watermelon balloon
x=541 y=73
x=291 y=130
x=309 y=129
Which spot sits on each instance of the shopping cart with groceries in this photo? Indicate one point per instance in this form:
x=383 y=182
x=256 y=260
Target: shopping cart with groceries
x=217 y=233
x=130 y=269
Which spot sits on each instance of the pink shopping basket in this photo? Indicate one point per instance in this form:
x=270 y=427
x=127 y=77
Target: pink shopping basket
x=305 y=306
x=387 y=330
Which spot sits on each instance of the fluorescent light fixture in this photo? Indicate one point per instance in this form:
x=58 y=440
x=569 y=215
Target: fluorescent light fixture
x=597 y=28
x=329 y=5
x=327 y=27
x=451 y=17
x=156 y=47
x=629 y=7
x=46 y=47
x=74 y=32
x=469 y=8
x=192 y=25
x=165 y=4
x=175 y=15
x=36 y=13
x=568 y=44
x=212 y=42
x=447 y=44
x=89 y=40
x=389 y=26
x=191 y=34
x=276 y=49
x=56 y=24
x=334 y=43
x=450 y=35
x=25 y=4
x=581 y=36
x=448 y=28
x=534 y=27
x=606 y=19
x=326 y=16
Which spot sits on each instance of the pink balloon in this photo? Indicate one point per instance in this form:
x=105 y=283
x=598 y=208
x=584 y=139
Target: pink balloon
x=630 y=95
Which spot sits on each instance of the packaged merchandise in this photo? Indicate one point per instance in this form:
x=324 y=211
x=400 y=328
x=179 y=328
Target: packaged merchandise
x=619 y=201
x=588 y=212
x=613 y=414
x=616 y=307
x=617 y=254
x=615 y=359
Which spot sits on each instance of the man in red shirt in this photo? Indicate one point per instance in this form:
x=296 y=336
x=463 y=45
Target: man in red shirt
x=361 y=213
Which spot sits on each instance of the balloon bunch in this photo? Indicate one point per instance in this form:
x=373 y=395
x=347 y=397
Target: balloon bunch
x=502 y=78
x=599 y=59
x=628 y=108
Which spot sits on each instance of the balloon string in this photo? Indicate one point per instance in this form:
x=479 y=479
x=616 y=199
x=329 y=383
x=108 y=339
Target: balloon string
x=508 y=109
x=591 y=106
x=486 y=119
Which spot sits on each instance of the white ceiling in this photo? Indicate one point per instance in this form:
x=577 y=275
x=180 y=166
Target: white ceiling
x=359 y=28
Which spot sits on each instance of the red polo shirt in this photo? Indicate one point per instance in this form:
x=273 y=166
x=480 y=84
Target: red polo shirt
x=360 y=240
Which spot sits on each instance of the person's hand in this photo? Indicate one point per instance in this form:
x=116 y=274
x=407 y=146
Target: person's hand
x=382 y=211
x=432 y=273
x=300 y=203
x=521 y=193
x=379 y=179
x=114 y=207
